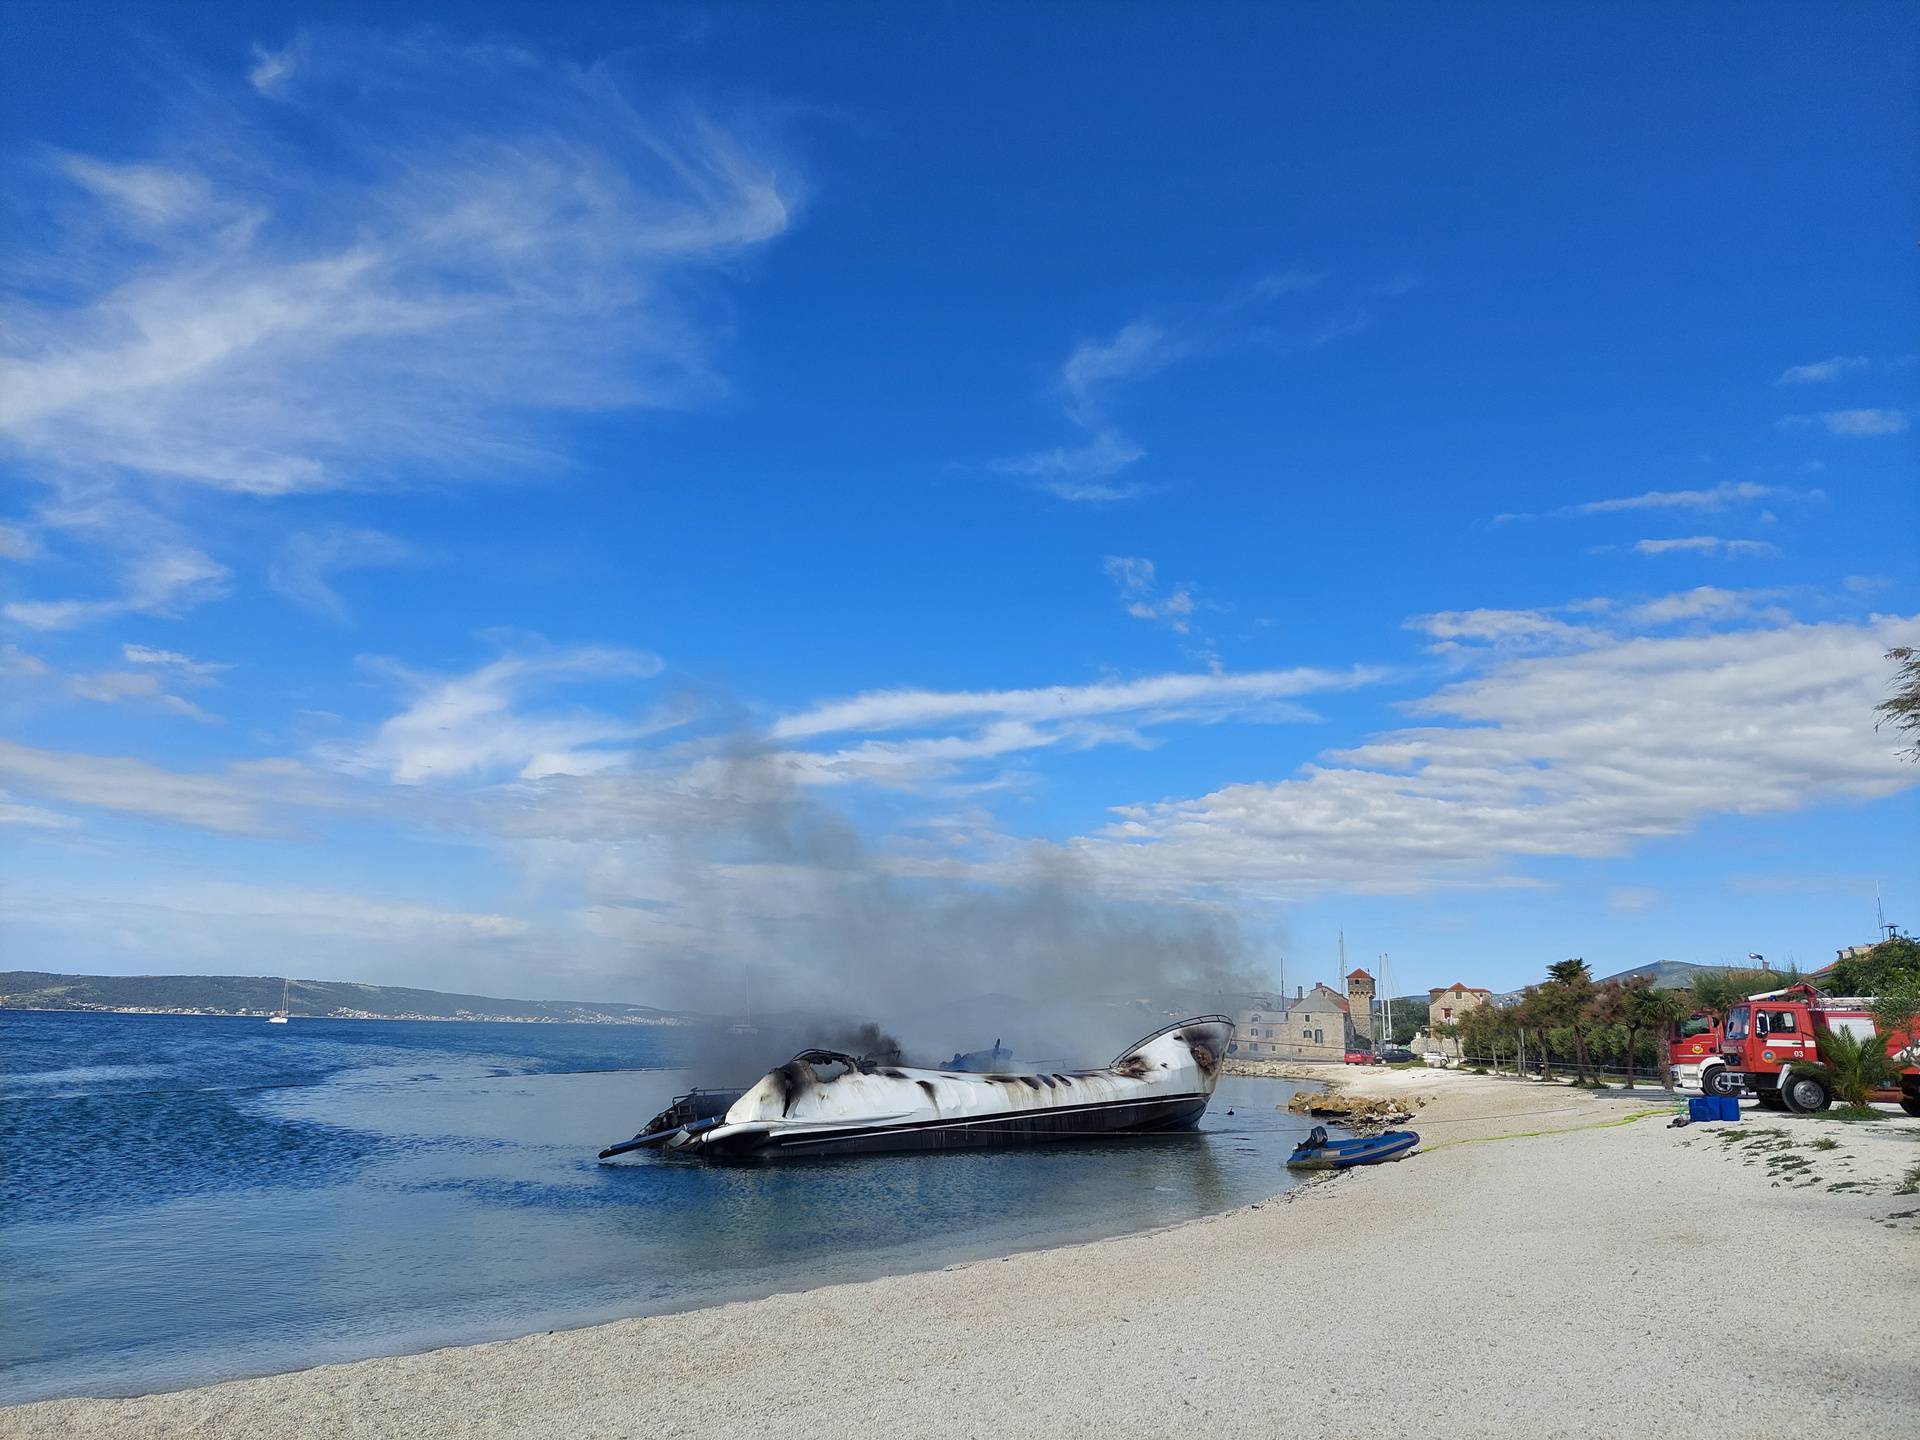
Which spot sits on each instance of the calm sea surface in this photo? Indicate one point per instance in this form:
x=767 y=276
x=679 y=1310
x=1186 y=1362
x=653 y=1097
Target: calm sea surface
x=186 y=1199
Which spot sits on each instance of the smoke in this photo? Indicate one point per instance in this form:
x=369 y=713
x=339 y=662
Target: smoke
x=778 y=910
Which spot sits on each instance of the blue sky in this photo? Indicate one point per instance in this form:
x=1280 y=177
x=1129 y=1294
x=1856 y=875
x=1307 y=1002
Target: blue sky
x=1442 y=473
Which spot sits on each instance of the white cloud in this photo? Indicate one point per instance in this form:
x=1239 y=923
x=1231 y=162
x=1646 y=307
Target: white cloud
x=237 y=801
x=112 y=687
x=1851 y=424
x=270 y=67
x=1718 y=497
x=1633 y=899
x=1703 y=602
x=36 y=816
x=1136 y=350
x=472 y=724
x=1504 y=629
x=16 y=544
x=1856 y=423
x=164 y=579
x=1582 y=754
x=1140 y=593
x=193 y=672
x=1096 y=370
x=1705 y=545
x=307 y=560
x=1821 y=371
x=1211 y=696
x=1107 y=453
x=263 y=326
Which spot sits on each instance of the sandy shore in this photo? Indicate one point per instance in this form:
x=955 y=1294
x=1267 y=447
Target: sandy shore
x=1552 y=1284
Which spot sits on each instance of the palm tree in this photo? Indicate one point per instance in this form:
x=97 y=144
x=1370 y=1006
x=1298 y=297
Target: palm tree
x=1859 y=1064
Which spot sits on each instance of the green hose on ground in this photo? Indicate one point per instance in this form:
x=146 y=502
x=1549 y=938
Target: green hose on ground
x=1534 y=1134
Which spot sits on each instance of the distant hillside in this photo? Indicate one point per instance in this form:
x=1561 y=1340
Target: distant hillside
x=260 y=995
x=1667 y=974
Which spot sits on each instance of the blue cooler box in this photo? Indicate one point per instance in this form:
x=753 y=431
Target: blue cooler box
x=1703 y=1107
x=1727 y=1105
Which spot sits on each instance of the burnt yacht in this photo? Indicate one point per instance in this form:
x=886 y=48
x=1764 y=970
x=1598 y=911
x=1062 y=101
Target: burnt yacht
x=828 y=1102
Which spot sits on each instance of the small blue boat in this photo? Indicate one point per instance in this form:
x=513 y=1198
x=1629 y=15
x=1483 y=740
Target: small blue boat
x=1317 y=1152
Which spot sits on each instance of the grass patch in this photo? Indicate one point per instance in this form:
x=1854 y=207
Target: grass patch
x=1909 y=1182
x=1825 y=1142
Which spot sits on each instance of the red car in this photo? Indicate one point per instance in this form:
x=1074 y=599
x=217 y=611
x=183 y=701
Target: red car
x=1361 y=1057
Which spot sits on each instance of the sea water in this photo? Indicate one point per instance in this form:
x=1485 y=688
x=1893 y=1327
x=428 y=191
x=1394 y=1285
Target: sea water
x=186 y=1199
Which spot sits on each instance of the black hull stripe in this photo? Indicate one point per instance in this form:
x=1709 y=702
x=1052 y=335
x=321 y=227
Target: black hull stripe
x=1064 y=1122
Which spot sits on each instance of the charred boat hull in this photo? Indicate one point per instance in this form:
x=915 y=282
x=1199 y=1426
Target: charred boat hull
x=829 y=1103
x=1123 y=1117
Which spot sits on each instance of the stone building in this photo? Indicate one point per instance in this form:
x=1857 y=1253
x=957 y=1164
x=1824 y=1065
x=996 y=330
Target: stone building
x=1445 y=1007
x=1313 y=1025
x=1360 y=990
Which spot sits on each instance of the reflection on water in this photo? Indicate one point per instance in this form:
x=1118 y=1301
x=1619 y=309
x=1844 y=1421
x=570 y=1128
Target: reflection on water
x=368 y=1188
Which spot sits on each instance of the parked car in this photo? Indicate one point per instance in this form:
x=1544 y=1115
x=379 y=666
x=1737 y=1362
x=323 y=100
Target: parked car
x=1361 y=1057
x=1395 y=1055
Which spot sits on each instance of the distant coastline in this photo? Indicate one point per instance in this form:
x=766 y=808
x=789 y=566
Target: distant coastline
x=583 y=1019
x=258 y=996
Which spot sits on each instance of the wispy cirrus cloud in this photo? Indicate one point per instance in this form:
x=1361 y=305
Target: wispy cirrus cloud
x=1711 y=499
x=480 y=723
x=17 y=544
x=241 y=800
x=1094 y=375
x=950 y=729
x=245 y=319
x=1851 y=424
x=163 y=578
x=1705 y=545
x=1821 y=372
x=1717 y=497
x=1187 y=694
x=307 y=561
x=150 y=682
x=1141 y=594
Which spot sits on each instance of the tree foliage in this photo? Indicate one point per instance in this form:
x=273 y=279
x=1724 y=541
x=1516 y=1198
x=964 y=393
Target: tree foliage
x=1901 y=710
x=1890 y=965
x=1718 y=991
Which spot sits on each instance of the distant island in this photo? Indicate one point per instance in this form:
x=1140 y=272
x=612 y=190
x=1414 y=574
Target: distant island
x=311 y=999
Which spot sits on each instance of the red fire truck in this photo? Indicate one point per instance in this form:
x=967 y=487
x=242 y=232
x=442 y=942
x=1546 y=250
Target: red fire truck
x=1766 y=1035
x=1693 y=1052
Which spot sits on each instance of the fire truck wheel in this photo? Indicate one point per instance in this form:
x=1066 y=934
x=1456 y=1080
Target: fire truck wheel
x=1910 y=1103
x=1806 y=1095
x=1714 y=1081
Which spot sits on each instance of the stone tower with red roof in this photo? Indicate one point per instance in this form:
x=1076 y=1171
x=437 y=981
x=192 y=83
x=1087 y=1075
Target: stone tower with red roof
x=1360 y=1004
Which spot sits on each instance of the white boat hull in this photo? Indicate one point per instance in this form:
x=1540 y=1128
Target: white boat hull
x=1163 y=1083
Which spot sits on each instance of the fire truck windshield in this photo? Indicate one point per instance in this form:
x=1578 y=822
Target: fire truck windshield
x=1691 y=1026
x=1737 y=1023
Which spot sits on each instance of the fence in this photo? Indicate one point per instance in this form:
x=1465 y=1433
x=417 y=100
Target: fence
x=1611 y=1071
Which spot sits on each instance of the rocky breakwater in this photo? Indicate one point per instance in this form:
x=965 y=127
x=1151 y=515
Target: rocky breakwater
x=1362 y=1114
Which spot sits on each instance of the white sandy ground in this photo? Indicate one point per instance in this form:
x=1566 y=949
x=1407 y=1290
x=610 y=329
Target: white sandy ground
x=1632 y=1281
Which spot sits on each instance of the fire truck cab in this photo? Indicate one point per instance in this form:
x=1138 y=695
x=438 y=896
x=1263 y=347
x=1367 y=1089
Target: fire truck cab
x=1766 y=1036
x=1693 y=1053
